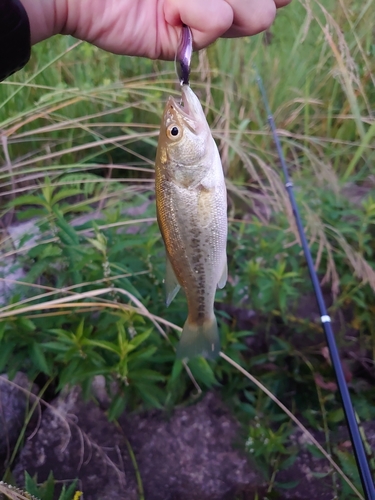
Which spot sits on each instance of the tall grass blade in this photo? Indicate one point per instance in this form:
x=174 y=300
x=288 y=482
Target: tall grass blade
x=358 y=448
x=366 y=141
x=295 y=420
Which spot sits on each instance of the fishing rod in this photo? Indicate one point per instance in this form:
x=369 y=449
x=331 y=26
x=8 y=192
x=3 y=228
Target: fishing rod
x=358 y=448
x=182 y=62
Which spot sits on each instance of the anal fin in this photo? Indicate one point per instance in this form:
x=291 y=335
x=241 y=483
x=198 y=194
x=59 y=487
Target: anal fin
x=172 y=286
x=224 y=276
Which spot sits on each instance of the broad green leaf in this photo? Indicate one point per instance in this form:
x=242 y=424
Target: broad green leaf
x=140 y=338
x=6 y=350
x=144 y=374
x=151 y=394
x=104 y=344
x=31 y=485
x=65 y=193
x=67 y=493
x=97 y=244
x=203 y=372
x=176 y=370
x=54 y=346
x=79 y=331
x=143 y=354
x=26 y=323
x=38 y=357
x=27 y=199
x=49 y=487
x=117 y=407
x=62 y=333
x=50 y=251
x=289 y=485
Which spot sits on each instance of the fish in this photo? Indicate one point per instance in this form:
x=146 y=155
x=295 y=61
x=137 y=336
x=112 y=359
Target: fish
x=191 y=206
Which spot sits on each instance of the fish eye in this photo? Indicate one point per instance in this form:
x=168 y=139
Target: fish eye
x=173 y=132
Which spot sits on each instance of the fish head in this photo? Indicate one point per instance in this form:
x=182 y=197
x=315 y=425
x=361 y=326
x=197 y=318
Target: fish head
x=185 y=137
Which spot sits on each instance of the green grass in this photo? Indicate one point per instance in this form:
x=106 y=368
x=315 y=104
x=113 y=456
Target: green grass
x=79 y=134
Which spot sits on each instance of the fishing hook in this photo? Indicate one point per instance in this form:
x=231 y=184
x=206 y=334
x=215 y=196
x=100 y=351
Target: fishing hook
x=183 y=55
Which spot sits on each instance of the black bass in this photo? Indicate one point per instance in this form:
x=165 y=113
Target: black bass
x=191 y=201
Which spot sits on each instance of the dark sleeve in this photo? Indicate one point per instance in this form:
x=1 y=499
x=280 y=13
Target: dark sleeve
x=15 y=42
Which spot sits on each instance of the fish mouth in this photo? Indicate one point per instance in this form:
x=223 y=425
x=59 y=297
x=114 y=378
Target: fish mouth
x=181 y=106
x=188 y=109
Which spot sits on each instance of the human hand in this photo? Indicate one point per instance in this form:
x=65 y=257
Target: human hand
x=149 y=28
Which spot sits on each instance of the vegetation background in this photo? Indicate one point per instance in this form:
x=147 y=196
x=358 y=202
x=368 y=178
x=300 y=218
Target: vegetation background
x=79 y=131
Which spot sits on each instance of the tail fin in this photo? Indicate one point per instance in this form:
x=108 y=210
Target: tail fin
x=199 y=340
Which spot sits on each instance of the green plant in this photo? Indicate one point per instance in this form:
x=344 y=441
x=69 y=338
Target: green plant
x=78 y=143
x=271 y=450
x=45 y=491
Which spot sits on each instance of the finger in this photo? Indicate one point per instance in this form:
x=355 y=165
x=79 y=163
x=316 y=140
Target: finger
x=251 y=17
x=208 y=19
x=282 y=3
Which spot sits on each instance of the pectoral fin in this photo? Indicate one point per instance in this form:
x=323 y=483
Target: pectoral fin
x=224 y=276
x=172 y=286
